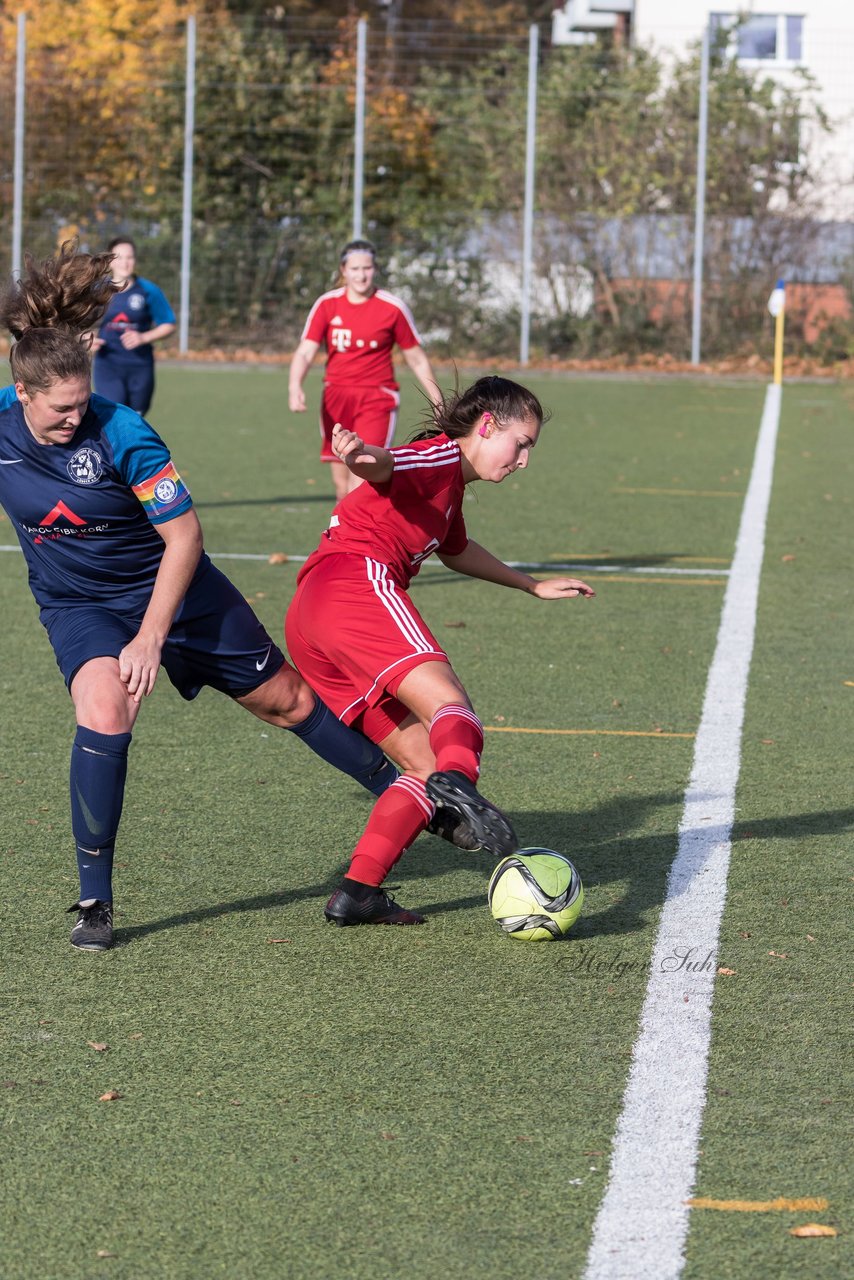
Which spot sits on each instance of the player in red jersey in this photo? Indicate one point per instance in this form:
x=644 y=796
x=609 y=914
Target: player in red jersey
x=358 y=640
x=359 y=325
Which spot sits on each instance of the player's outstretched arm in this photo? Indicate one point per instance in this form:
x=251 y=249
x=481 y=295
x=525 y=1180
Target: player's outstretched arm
x=477 y=562
x=367 y=461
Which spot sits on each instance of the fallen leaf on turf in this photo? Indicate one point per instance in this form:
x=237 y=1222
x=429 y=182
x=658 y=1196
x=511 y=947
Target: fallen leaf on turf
x=811 y=938
x=104 y=1253
x=98 y=1045
x=278 y=939
x=593 y=1153
x=235 y=1102
x=779 y=955
x=767 y=742
x=787 y=559
x=112 y=1095
x=389 y=1137
x=744 y=935
x=812 y=1229
x=135 y=1035
x=728 y=972
x=278 y=557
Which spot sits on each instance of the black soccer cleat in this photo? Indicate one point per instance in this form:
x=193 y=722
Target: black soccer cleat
x=450 y=825
x=488 y=824
x=380 y=908
x=94 y=928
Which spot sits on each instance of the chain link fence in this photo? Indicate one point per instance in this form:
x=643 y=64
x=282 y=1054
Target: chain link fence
x=101 y=152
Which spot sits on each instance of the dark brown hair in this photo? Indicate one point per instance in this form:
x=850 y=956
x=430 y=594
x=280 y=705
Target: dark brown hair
x=48 y=309
x=456 y=416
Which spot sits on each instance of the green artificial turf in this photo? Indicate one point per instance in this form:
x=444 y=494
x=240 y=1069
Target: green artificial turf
x=303 y=1101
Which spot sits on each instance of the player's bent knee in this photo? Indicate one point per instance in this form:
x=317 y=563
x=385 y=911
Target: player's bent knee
x=284 y=700
x=101 y=700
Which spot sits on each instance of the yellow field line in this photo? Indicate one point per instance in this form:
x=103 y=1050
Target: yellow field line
x=574 y=733
x=685 y=493
x=808 y=1203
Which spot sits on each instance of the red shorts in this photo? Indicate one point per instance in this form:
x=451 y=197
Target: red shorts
x=353 y=634
x=372 y=411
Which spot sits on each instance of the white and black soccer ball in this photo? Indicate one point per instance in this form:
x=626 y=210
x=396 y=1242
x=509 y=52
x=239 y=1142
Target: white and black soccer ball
x=535 y=894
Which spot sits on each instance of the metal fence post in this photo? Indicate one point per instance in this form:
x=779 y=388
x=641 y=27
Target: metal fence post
x=359 y=134
x=528 y=217
x=187 y=206
x=18 y=179
x=700 y=210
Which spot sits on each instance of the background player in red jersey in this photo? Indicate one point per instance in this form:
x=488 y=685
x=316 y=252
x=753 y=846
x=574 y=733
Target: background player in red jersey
x=356 y=637
x=359 y=325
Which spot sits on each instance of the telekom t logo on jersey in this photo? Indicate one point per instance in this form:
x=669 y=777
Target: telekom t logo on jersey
x=342 y=339
x=57 y=513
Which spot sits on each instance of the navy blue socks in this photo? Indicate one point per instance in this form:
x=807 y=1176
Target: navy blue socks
x=99 y=765
x=346 y=749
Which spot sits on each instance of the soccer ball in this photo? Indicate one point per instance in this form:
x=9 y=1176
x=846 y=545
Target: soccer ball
x=535 y=894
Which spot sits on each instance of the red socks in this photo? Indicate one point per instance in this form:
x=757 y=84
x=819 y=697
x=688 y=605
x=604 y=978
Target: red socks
x=399 y=815
x=456 y=739
x=402 y=812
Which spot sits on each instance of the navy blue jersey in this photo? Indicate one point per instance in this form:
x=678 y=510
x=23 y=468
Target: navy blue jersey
x=85 y=512
x=142 y=306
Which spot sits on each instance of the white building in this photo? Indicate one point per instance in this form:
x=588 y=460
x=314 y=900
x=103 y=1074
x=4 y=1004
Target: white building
x=777 y=39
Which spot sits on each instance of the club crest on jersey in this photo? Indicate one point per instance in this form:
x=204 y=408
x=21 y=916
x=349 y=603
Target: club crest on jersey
x=136 y=302
x=165 y=490
x=85 y=466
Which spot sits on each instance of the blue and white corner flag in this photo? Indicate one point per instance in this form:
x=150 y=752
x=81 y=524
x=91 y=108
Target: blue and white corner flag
x=777 y=301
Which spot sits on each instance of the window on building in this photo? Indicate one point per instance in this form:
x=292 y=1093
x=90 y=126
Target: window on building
x=763 y=37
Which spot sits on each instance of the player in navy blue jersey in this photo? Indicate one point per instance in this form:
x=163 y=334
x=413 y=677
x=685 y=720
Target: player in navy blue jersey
x=117 y=566
x=136 y=317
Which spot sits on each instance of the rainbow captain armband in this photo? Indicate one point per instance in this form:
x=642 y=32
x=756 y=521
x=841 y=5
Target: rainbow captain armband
x=163 y=495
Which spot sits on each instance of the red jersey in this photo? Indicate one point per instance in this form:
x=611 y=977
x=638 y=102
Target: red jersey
x=360 y=336
x=403 y=521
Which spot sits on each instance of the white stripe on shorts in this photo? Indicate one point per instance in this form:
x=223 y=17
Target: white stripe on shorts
x=386 y=592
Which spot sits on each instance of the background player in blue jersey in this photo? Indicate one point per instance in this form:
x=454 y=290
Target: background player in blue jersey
x=117 y=567
x=136 y=317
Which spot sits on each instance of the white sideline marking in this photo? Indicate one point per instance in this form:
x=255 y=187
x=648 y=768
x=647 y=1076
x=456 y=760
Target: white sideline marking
x=642 y=1224
x=541 y=566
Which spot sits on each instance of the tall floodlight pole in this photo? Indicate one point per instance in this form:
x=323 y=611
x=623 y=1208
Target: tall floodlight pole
x=700 y=211
x=18 y=170
x=359 y=134
x=187 y=204
x=528 y=218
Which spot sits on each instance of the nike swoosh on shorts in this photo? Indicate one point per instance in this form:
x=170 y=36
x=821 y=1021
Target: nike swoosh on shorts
x=259 y=666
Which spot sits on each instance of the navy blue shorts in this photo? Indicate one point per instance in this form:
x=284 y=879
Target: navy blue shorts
x=129 y=384
x=215 y=639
